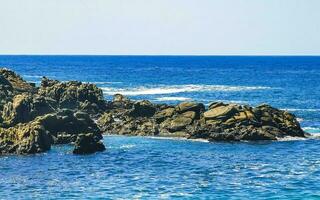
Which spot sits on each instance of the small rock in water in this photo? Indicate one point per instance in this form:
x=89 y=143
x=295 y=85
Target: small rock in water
x=88 y=144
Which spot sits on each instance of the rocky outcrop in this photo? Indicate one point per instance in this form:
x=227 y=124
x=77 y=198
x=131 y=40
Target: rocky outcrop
x=38 y=135
x=26 y=107
x=12 y=84
x=65 y=126
x=24 y=139
x=32 y=118
x=220 y=122
x=15 y=82
x=88 y=144
x=74 y=95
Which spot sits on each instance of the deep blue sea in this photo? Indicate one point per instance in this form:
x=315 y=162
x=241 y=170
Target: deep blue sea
x=149 y=168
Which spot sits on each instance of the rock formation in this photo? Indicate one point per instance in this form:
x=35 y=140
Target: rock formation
x=74 y=95
x=88 y=143
x=220 y=122
x=34 y=118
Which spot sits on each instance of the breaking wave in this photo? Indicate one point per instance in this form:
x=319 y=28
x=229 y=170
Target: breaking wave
x=290 y=138
x=178 y=89
x=302 y=109
x=105 y=82
x=311 y=130
x=173 y=99
x=32 y=76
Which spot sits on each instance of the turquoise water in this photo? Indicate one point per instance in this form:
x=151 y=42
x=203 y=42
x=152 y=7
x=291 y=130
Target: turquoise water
x=144 y=168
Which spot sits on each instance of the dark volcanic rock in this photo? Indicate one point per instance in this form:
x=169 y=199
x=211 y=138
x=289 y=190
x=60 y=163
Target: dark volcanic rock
x=87 y=144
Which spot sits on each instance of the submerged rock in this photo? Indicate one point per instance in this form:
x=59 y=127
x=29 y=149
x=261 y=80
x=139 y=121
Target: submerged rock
x=87 y=144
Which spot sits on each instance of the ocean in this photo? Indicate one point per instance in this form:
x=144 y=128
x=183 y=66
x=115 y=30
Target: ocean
x=150 y=168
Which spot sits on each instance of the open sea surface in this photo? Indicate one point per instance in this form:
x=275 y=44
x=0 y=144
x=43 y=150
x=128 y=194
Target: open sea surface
x=149 y=168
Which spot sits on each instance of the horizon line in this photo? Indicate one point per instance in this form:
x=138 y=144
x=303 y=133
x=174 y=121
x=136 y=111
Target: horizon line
x=174 y=55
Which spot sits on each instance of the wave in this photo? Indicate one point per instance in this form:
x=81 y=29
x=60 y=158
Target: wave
x=32 y=76
x=173 y=99
x=104 y=82
x=226 y=101
x=290 y=138
x=299 y=119
x=178 y=89
x=178 y=138
x=302 y=109
x=127 y=146
x=311 y=130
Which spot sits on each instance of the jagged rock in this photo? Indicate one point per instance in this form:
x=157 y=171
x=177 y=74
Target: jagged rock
x=143 y=109
x=164 y=114
x=120 y=101
x=12 y=84
x=198 y=108
x=65 y=124
x=178 y=123
x=105 y=122
x=227 y=122
x=15 y=81
x=25 y=108
x=34 y=118
x=74 y=95
x=88 y=144
x=120 y=98
x=24 y=139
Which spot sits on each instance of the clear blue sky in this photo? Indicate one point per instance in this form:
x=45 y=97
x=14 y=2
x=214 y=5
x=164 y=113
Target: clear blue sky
x=171 y=27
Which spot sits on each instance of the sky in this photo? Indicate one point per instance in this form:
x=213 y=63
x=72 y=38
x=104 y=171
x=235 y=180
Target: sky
x=160 y=27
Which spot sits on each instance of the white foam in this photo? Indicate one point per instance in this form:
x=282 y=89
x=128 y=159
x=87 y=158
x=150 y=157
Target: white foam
x=32 y=76
x=178 y=89
x=301 y=109
x=290 y=138
x=225 y=101
x=128 y=146
x=173 y=99
x=177 y=138
x=105 y=82
x=299 y=119
x=311 y=130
